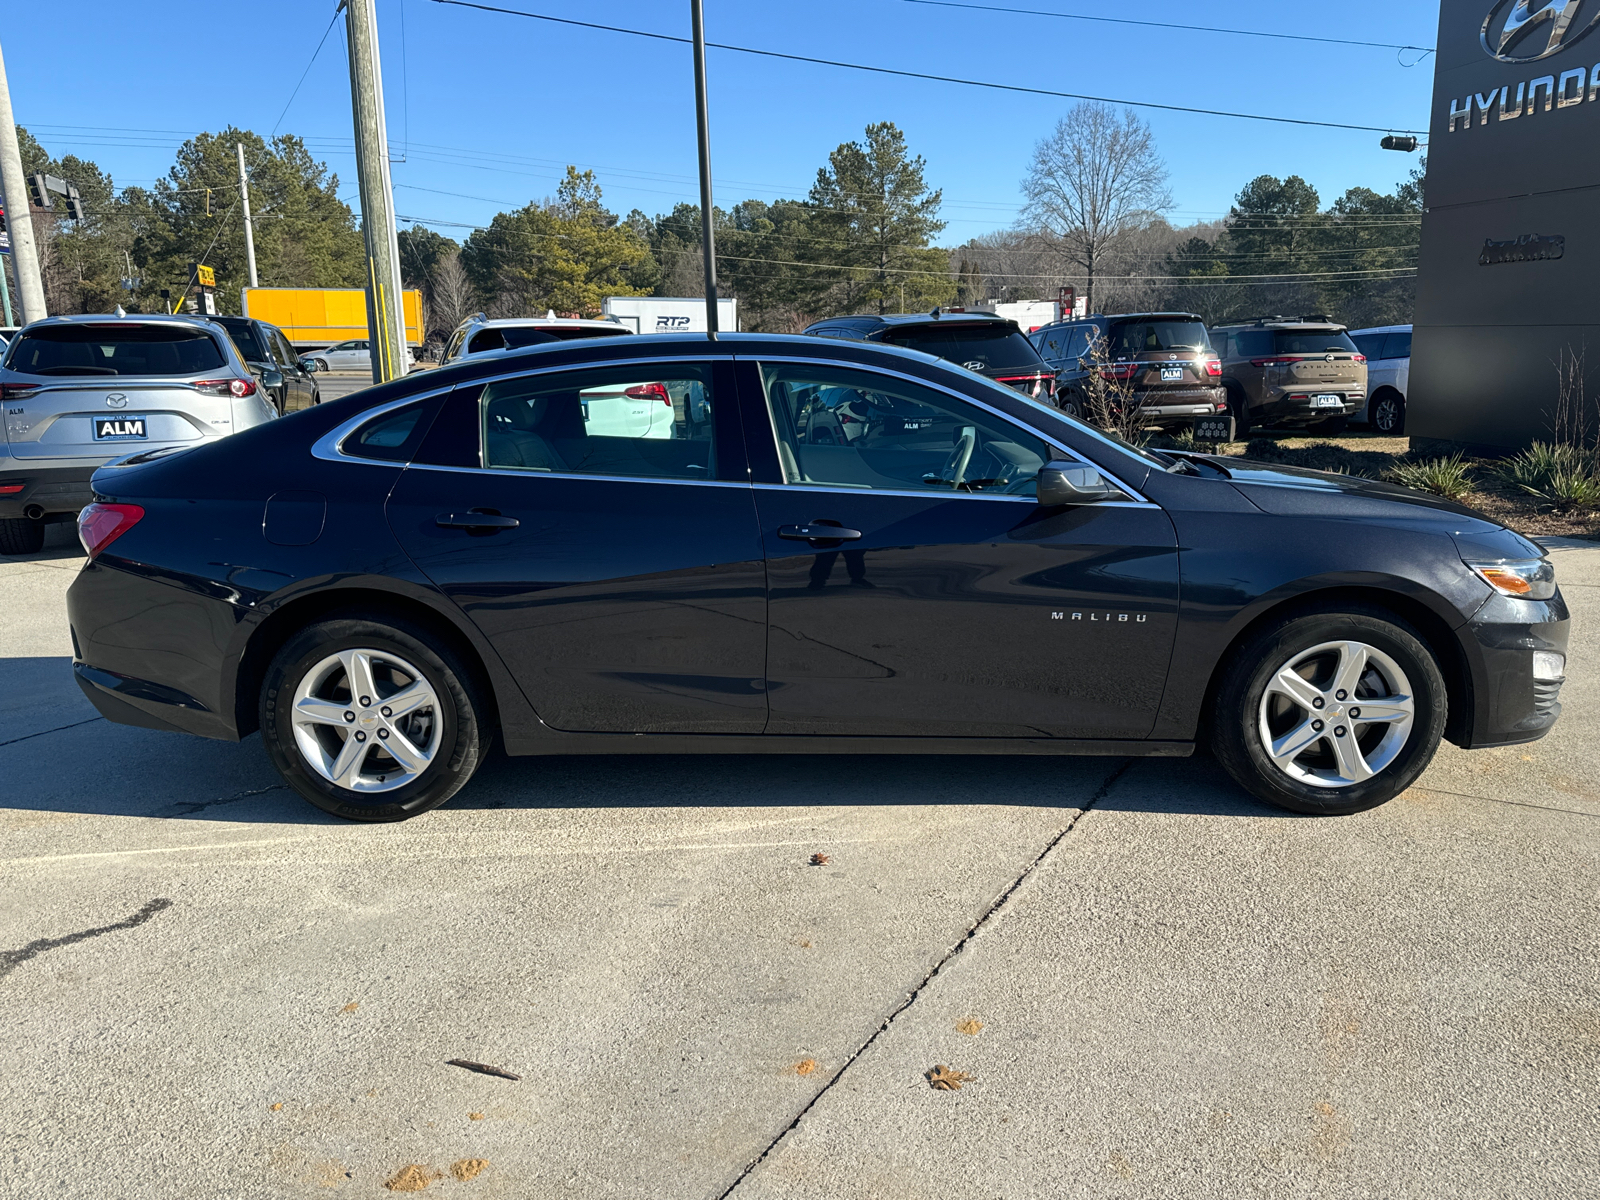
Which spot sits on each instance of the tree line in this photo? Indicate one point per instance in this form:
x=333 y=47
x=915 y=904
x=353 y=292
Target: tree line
x=863 y=239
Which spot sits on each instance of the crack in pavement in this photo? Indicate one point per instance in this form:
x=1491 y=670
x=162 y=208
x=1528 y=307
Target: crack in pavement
x=10 y=960
x=1575 y=812
x=999 y=902
x=57 y=729
x=188 y=808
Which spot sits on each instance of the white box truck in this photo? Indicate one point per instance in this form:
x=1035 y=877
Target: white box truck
x=669 y=314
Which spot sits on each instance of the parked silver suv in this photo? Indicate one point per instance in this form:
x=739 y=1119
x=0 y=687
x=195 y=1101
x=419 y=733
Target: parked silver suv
x=479 y=333
x=77 y=392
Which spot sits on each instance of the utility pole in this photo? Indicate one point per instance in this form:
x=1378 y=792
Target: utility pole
x=249 y=233
x=386 y=325
x=708 y=245
x=19 y=215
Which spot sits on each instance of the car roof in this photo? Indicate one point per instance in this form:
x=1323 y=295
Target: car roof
x=1311 y=322
x=537 y=322
x=186 y=320
x=901 y=320
x=1382 y=329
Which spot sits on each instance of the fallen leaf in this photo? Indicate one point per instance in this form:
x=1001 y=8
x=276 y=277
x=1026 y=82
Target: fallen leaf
x=413 y=1177
x=351 y=1007
x=820 y=860
x=480 y=1068
x=943 y=1079
x=804 y=944
x=474 y=1116
x=278 y=1107
x=805 y=1066
x=468 y=1168
x=971 y=1026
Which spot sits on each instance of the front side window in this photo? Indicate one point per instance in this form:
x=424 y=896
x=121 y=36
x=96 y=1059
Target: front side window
x=125 y=348
x=856 y=429
x=1078 y=344
x=647 y=421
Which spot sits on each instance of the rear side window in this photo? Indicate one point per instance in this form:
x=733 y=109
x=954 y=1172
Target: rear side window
x=488 y=339
x=1397 y=345
x=1252 y=343
x=1143 y=337
x=391 y=437
x=1078 y=345
x=244 y=337
x=122 y=349
x=1312 y=341
x=981 y=347
x=1370 y=344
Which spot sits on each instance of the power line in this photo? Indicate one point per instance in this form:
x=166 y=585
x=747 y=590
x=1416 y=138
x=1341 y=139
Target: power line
x=1293 y=37
x=306 y=72
x=1004 y=87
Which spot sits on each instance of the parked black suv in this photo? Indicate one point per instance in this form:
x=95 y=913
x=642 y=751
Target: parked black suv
x=990 y=345
x=284 y=375
x=1164 y=358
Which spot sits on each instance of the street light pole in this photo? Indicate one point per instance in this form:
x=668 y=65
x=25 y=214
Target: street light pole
x=249 y=233
x=19 y=217
x=708 y=243
x=386 y=323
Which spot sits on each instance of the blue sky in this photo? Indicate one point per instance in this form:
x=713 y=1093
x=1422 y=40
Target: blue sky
x=486 y=110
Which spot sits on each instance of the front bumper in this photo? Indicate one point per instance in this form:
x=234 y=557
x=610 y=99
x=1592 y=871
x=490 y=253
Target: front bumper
x=1510 y=705
x=55 y=490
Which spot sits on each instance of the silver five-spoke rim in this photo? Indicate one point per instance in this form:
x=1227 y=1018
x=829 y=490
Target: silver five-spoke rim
x=366 y=720
x=1336 y=714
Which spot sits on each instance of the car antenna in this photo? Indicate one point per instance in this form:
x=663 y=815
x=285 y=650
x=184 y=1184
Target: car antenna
x=935 y=313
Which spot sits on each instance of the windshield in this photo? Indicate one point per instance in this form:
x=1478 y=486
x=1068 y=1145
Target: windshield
x=987 y=347
x=1131 y=471
x=124 y=348
x=244 y=337
x=1312 y=341
x=1142 y=337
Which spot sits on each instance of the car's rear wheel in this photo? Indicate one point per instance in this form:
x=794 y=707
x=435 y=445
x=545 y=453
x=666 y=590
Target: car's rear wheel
x=1330 y=713
x=1389 y=414
x=1239 y=410
x=371 y=720
x=20 y=535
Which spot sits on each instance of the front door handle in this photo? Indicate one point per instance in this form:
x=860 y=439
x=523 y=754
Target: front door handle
x=477 y=521
x=818 y=532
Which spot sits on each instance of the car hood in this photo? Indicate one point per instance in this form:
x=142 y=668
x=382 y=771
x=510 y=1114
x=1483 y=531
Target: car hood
x=1296 y=491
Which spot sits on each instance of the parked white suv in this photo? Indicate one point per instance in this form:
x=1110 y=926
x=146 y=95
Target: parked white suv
x=1388 y=351
x=478 y=334
x=80 y=391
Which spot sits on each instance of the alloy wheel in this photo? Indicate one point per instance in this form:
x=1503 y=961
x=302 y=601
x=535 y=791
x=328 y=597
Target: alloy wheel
x=1386 y=417
x=1336 y=714
x=366 y=720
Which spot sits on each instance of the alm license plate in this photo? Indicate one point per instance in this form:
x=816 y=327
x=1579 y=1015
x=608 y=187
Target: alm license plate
x=118 y=429
x=1327 y=402
x=1171 y=374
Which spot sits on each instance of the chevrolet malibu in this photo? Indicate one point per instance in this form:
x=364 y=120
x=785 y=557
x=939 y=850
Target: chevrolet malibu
x=387 y=583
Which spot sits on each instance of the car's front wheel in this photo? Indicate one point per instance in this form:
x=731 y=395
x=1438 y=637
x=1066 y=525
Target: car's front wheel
x=371 y=720
x=1389 y=414
x=1330 y=713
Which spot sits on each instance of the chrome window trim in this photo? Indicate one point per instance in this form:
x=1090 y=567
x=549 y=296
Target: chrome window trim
x=837 y=490
x=534 y=473
x=938 y=387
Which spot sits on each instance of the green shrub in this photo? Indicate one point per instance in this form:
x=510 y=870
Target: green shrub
x=1562 y=475
x=1448 y=477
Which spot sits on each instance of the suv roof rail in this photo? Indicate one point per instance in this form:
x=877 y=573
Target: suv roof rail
x=1277 y=318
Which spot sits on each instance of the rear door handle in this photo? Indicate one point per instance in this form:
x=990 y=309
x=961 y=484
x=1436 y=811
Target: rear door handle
x=489 y=521
x=818 y=533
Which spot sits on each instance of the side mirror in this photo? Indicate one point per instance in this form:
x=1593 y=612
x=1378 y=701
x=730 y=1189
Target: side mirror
x=1071 y=483
x=308 y=365
x=271 y=378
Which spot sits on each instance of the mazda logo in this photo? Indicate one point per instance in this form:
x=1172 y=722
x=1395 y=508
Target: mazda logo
x=1524 y=31
x=116 y=400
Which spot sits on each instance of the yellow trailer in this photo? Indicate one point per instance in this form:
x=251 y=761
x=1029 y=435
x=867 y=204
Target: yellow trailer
x=317 y=317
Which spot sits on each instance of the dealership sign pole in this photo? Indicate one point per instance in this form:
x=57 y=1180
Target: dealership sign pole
x=708 y=244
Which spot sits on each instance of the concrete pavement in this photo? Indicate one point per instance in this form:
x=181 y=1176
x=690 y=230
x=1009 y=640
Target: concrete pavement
x=1161 y=987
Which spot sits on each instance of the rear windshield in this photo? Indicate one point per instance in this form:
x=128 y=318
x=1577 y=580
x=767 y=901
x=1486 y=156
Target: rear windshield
x=1140 y=337
x=121 y=349
x=244 y=336
x=1312 y=341
x=991 y=346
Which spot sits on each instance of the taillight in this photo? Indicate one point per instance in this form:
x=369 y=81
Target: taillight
x=650 y=391
x=101 y=524
x=1271 y=362
x=1358 y=358
x=1118 y=372
x=11 y=489
x=1213 y=366
x=17 y=391
x=225 y=387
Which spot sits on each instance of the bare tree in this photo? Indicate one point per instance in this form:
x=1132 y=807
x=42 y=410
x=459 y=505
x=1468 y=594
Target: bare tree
x=1093 y=181
x=450 y=293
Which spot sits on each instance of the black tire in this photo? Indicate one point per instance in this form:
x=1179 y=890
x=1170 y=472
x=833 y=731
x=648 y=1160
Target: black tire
x=1329 y=427
x=464 y=735
x=1236 y=733
x=19 y=535
x=1389 y=414
x=1239 y=410
x=319 y=364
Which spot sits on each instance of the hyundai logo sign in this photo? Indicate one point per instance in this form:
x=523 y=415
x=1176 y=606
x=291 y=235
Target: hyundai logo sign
x=1524 y=31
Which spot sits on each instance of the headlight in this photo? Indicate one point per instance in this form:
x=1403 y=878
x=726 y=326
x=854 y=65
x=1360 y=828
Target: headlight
x=1532 y=579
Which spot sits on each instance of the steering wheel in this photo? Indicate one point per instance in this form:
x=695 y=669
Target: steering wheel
x=955 y=467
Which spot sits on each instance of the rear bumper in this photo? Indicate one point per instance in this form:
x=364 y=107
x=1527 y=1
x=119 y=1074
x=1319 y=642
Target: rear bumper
x=54 y=491
x=1295 y=408
x=1180 y=407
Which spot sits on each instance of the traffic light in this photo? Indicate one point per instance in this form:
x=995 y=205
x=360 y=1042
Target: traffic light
x=1397 y=142
x=39 y=193
x=74 y=205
